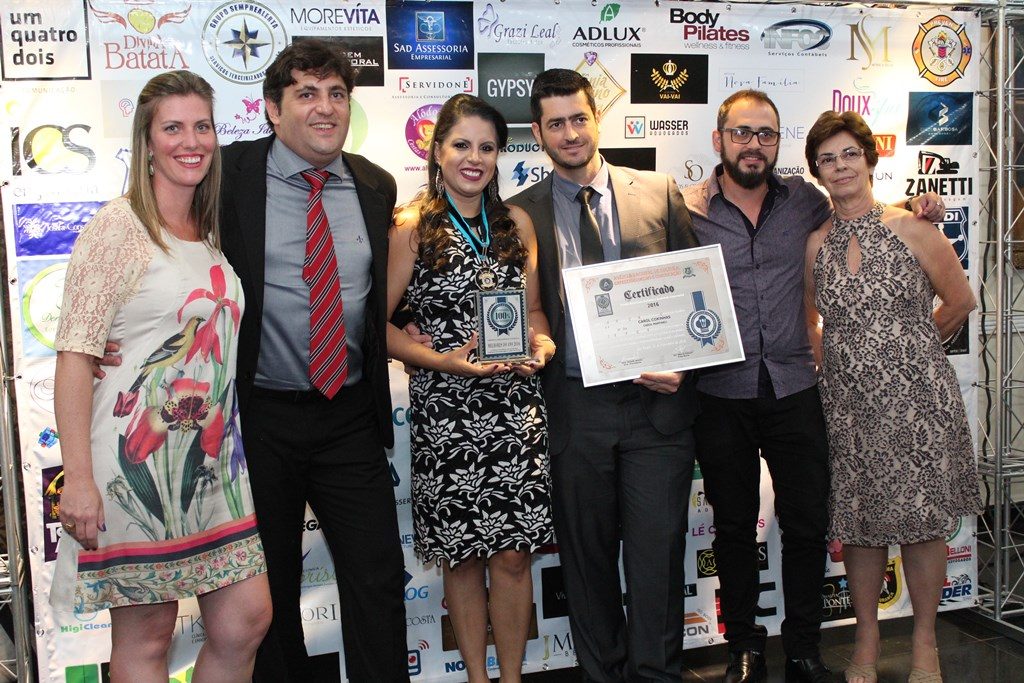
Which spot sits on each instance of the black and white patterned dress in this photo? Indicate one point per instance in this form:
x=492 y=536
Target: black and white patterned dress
x=480 y=480
x=901 y=458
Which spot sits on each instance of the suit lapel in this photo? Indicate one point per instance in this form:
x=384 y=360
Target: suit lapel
x=251 y=209
x=548 y=254
x=628 y=209
x=374 y=208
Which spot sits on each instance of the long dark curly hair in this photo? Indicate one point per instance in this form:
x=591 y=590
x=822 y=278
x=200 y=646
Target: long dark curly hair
x=434 y=239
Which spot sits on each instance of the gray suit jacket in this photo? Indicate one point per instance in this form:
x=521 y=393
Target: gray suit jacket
x=653 y=219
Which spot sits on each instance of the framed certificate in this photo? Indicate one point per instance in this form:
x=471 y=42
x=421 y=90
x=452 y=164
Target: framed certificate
x=502 y=326
x=665 y=312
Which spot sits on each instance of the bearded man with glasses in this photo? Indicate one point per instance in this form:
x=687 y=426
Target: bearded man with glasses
x=766 y=406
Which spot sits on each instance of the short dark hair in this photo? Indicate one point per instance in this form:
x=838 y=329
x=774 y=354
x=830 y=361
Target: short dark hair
x=829 y=124
x=320 y=57
x=749 y=94
x=559 y=82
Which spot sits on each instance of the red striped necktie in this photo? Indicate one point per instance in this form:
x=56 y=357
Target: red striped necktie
x=328 y=351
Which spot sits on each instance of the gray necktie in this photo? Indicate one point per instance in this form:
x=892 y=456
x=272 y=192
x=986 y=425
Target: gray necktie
x=590 y=233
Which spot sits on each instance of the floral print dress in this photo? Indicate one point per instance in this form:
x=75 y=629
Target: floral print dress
x=167 y=453
x=900 y=452
x=480 y=480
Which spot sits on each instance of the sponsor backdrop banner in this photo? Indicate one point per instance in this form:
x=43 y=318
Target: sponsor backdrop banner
x=71 y=71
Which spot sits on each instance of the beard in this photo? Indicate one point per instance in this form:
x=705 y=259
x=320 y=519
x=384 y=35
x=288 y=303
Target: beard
x=558 y=160
x=748 y=180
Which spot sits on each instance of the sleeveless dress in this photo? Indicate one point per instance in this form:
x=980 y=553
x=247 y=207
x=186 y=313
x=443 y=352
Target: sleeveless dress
x=167 y=453
x=901 y=457
x=480 y=479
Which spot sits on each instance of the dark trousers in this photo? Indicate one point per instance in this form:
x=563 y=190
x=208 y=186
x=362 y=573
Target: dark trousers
x=619 y=478
x=302 y=447
x=789 y=433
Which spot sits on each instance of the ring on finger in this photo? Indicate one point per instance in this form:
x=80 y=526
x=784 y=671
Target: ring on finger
x=69 y=526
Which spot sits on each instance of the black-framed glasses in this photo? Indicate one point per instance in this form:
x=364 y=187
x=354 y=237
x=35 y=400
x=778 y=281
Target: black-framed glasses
x=848 y=155
x=741 y=136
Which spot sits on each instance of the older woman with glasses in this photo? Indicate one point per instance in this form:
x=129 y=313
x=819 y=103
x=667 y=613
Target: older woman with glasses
x=901 y=458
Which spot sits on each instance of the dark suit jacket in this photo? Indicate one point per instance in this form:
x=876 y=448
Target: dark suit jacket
x=652 y=220
x=243 y=236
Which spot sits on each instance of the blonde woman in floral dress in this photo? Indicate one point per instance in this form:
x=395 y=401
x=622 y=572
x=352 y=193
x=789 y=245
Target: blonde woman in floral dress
x=156 y=503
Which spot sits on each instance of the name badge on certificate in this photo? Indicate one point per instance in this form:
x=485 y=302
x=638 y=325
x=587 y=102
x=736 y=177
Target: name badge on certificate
x=502 y=326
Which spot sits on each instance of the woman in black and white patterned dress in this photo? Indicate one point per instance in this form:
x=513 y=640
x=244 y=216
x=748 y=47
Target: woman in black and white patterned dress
x=902 y=463
x=480 y=482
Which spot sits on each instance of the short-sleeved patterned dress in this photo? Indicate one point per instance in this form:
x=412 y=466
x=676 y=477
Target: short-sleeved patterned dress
x=166 y=448
x=901 y=458
x=480 y=479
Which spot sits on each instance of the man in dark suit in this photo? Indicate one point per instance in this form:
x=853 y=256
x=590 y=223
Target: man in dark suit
x=621 y=454
x=312 y=435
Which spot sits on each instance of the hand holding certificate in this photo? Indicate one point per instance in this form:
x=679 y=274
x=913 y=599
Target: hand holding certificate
x=665 y=312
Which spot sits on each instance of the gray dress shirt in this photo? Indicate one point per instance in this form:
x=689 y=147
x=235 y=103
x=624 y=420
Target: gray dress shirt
x=766 y=275
x=284 y=342
x=567 y=228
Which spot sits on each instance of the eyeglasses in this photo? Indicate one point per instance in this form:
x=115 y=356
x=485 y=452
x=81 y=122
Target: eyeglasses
x=741 y=136
x=849 y=155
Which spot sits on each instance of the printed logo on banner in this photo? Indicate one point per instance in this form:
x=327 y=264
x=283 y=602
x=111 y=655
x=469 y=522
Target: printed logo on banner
x=48 y=437
x=762 y=612
x=415 y=592
x=790 y=170
x=939 y=174
x=87 y=673
x=49 y=43
x=606 y=89
x=448 y=642
x=836 y=602
x=415 y=662
x=707 y=565
x=892 y=584
x=430 y=35
x=554 y=602
x=419 y=129
x=771 y=80
x=329 y=21
x=489 y=25
x=668 y=79
x=241 y=39
x=885 y=144
x=960 y=343
x=190 y=626
x=940 y=118
x=692 y=171
x=640 y=158
x=799 y=37
x=869 y=43
x=51 y=488
x=506 y=81
x=141 y=46
x=956 y=530
x=697 y=624
x=636 y=127
x=410 y=87
x=50 y=229
x=857 y=103
x=521 y=141
x=366 y=53
x=941 y=50
x=607 y=32
x=247 y=121
x=954 y=226
x=959 y=553
x=705 y=30
x=958 y=588
x=51 y=148
x=421 y=620
x=558 y=645
x=42 y=283
x=523 y=174
x=320 y=613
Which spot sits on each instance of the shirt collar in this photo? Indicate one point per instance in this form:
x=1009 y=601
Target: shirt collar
x=568 y=188
x=291 y=164
x=775 y=185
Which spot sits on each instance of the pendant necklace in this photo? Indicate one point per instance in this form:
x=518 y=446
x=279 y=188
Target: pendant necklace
x=486 y=278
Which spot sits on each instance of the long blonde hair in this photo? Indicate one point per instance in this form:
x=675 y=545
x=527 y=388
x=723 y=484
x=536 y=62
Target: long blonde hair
x=206 y=201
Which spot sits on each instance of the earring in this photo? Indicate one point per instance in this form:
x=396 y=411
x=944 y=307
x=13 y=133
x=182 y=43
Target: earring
x=439 y=183
x=149 y=159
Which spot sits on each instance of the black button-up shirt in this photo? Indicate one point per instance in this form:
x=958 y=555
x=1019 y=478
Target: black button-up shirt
x=765 y=264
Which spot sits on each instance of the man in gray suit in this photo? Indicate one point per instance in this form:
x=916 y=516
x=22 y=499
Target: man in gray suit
x=621 y=454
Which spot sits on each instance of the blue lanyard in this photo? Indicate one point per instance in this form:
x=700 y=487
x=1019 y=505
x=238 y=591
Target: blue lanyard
x=478 y=245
